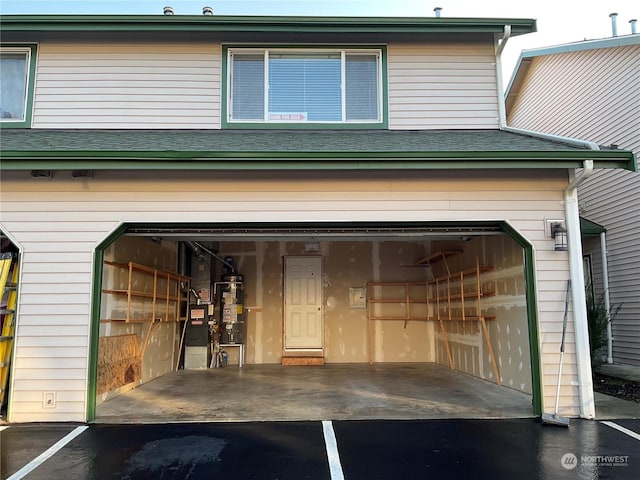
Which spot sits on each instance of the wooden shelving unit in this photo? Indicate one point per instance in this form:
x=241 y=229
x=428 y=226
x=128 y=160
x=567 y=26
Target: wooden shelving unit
x=402 y=297
x=449 y=297
x=167 y=292
x=457 y=297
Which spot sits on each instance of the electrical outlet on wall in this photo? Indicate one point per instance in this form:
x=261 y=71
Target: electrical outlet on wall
x=358 y=297
x=49 y=400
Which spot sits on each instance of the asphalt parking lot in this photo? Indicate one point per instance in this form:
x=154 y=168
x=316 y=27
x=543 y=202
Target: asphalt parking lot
x=479 y=449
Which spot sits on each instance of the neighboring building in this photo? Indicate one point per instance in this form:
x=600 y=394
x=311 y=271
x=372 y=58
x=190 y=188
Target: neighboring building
x=591 y=90
x=324 y=159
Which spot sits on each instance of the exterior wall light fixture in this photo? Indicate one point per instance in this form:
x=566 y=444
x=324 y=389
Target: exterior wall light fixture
x=559 y=234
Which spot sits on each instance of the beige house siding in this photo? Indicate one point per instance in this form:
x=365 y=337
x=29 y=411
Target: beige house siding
x=442 y=86
x=58 y=223
x=595 y=95
x=120 y=85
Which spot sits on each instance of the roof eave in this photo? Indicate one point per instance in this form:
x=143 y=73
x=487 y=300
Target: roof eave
x=241 y=23
x=168 y=160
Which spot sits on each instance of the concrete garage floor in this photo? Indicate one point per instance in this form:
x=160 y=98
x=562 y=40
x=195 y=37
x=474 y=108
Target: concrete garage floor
x=329 y=392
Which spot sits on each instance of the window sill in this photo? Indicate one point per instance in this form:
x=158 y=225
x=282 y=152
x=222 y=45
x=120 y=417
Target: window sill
x=304 y=126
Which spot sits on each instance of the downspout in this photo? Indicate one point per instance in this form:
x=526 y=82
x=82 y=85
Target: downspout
x=607 y=299
x=578 y=296
x=500 y=47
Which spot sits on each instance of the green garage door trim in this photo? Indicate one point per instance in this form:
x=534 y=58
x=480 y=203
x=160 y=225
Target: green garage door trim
x=451 y=228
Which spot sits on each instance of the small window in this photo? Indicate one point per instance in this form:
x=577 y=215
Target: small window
x=16 y=85
x=304 y=86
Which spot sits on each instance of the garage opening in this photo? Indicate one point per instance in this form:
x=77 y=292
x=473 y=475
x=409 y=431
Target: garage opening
x=299 y=322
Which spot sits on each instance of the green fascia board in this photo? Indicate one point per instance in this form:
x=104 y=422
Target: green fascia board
x=238 y=23
x=201 y=160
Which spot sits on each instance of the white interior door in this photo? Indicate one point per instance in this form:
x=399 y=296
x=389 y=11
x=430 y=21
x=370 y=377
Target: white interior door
x=303 y=303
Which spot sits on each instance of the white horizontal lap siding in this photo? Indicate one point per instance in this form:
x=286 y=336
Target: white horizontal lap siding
x=59 y=222
x=53 y=329
x=442 y=86
x=595 y=95
x=119 y=85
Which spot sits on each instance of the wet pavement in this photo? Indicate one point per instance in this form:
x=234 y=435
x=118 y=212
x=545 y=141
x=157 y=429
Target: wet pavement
x=368 y=449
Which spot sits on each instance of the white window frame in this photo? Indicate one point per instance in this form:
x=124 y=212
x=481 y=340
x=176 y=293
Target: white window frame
x=27 y=51
x=343 y=55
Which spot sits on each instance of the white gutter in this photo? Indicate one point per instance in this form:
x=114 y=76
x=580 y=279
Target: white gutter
x=578 y=296
x=607 y=299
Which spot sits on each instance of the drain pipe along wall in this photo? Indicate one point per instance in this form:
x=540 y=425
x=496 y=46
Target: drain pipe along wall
x=578 y=297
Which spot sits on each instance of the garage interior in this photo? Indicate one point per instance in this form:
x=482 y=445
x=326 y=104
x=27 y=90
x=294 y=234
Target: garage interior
x=237 y=324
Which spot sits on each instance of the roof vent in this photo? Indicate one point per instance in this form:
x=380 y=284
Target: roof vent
x=437 y=10
x=207 y=11
x=633 y=22
x=614 y=25
x=168 y=11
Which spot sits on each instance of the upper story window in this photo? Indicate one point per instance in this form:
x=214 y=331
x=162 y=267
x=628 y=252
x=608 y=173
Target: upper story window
x=304 y=86
x=17 y=65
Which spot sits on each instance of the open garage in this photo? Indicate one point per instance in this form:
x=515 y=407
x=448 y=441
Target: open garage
x=385 y=320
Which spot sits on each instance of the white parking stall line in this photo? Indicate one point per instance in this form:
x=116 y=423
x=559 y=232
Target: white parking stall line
x=46 y=455
x=335 y=467
x=620 y=428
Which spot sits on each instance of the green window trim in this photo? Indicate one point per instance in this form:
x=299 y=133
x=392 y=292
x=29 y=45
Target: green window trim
x=381 y=124
x=31 y=51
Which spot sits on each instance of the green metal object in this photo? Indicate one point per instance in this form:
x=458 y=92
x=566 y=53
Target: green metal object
x=94 y=327
x=532 y=315
x=260 y=24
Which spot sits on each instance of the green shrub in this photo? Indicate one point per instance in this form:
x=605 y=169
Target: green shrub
x=598 y=321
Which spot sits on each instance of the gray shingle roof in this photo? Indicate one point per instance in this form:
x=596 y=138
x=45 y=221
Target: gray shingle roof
x=274 y=141
x=292 y=149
